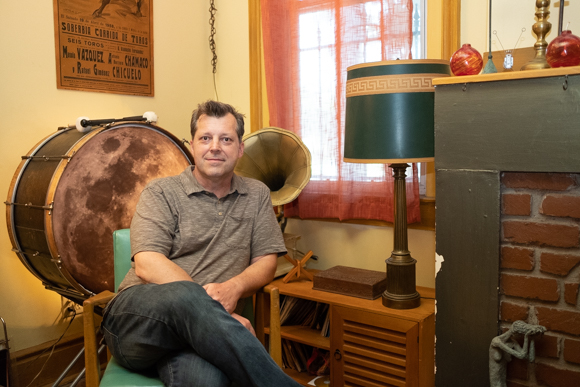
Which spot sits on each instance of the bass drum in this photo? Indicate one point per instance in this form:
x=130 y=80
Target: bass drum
x=73 y=190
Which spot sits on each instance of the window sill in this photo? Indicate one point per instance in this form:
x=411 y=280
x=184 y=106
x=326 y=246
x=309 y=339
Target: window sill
x=427 y=218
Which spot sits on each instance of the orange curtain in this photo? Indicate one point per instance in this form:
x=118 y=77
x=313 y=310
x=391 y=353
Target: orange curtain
x=308 y=44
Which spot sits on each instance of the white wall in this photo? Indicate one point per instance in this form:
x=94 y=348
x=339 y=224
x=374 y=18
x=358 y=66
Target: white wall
x=32 y=108
x=508 y=19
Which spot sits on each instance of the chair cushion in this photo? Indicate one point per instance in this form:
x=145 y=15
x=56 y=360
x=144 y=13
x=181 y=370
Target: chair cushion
x=117 y=376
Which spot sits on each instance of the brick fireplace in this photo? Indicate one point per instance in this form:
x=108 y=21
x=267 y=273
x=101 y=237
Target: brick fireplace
x=540 y=272
x=507 y=162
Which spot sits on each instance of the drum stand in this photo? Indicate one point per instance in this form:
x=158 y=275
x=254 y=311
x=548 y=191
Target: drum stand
x=77 y=298
x=71 y=365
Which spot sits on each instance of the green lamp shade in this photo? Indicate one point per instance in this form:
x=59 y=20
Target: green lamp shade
x=389 y=116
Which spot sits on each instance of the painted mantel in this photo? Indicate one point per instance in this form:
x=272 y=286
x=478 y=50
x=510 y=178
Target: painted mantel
x=485 y=125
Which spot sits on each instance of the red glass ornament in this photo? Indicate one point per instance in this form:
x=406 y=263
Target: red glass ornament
x=466 y=61
x=564 y=50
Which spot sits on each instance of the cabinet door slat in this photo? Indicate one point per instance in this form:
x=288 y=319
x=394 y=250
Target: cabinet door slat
x=387 y=367
x=376 y=345
x=375 y=332
x=385 y=358
x=360 y=380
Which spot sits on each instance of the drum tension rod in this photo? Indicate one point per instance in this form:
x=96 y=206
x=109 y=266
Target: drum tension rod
x=30 y=205
x=46 y=158
x=30 y=252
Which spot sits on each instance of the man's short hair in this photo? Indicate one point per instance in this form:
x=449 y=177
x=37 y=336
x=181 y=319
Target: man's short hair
x=217 y=109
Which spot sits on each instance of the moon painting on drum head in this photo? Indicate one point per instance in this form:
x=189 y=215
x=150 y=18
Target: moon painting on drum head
x=98 y=192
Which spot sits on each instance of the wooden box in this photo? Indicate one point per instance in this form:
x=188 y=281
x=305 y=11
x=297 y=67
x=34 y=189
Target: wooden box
x=351 y=281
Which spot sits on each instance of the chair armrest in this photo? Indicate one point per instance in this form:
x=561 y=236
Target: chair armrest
x=275 y=335
x=92 y=365
x=102 y=298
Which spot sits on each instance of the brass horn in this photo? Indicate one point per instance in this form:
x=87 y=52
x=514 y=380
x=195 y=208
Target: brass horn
x=279 y=159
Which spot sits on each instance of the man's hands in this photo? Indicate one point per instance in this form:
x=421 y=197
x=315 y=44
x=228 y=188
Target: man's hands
x=227 y=293
x=259 y=273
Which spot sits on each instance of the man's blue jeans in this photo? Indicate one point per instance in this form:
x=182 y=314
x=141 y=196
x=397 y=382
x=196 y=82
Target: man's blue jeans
x=189 y=337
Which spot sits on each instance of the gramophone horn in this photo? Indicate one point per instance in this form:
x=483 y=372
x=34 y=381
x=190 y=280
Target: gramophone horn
x=279 y=159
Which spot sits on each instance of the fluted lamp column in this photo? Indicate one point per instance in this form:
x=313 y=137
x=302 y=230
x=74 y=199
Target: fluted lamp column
x=390 y=120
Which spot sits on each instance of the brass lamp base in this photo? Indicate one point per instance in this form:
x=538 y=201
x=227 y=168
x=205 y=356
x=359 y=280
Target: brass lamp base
x=392 y=301
x=401 y=292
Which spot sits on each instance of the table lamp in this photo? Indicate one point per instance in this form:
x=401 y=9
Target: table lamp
x=389 y=119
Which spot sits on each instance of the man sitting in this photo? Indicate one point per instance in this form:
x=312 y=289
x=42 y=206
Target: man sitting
x=201 y=242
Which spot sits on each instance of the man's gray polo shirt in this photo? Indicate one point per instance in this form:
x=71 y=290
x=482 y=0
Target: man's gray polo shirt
x=211 y=239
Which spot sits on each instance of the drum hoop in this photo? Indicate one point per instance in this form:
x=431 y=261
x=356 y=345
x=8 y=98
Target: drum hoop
x=12 y=198
x=51 y=191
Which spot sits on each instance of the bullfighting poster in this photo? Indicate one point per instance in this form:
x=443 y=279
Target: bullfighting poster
x=104 y=46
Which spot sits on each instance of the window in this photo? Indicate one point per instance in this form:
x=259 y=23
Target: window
x=317 y=63
x=308 y=45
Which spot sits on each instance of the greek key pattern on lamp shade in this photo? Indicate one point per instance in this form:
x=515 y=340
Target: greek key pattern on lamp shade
x=385 y=84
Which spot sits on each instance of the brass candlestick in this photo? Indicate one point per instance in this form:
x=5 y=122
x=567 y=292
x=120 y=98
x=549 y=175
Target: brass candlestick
x=541 y=29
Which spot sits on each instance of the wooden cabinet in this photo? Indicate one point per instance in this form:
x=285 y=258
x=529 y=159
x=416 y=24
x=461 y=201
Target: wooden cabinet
x=369 y=344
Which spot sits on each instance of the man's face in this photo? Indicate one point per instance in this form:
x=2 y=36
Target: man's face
x=216 y=147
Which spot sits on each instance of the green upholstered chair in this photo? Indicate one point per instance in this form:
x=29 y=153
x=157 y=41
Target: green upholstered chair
x=115 y=375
